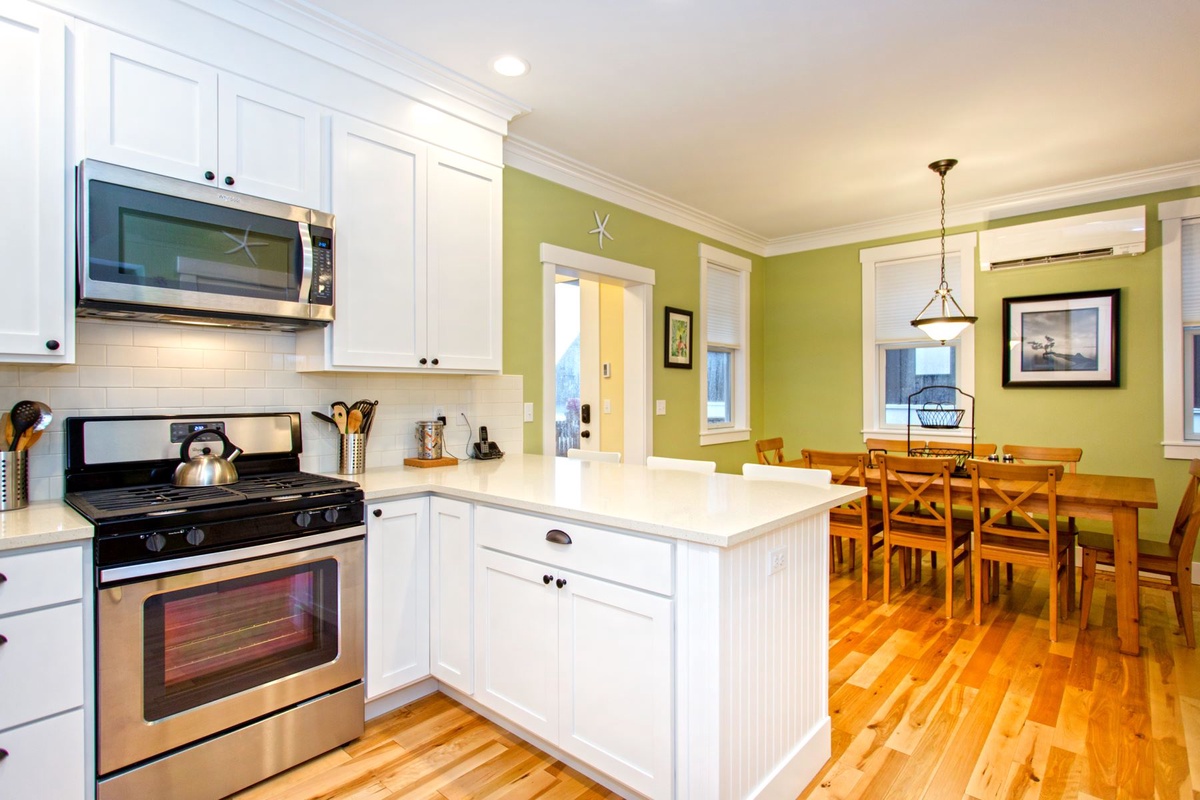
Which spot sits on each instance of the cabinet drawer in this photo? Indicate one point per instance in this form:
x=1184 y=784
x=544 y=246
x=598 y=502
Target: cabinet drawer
x=39 y=579
x=45 y=759
x=41 y=664
x=619 y=557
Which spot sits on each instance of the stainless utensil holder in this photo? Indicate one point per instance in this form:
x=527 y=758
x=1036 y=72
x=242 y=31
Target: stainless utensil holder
x=14 y=479
x=352 y=454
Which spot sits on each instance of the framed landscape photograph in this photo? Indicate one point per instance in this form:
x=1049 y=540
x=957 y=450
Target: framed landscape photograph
x=679 y=338
x=1062 y=339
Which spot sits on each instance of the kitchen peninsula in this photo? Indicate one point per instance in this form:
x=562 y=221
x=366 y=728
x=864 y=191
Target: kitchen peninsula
x=666 y=631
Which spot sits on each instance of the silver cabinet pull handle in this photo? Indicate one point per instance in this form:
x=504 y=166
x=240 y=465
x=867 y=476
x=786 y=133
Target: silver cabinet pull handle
x=558 y=537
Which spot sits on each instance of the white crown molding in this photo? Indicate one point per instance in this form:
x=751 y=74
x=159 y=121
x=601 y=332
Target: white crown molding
x=1158 y=179
x=299 y=25
x=553 y=166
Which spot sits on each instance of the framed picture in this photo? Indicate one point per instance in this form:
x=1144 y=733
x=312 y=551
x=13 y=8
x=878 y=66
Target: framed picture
x=679 y=339
x=1062 y=339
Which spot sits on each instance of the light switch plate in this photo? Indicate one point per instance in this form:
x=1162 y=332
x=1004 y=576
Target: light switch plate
x=608 y=406
x=529 y=412
x=660 y=407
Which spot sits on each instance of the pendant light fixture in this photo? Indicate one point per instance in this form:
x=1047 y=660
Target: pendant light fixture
x=943 y=323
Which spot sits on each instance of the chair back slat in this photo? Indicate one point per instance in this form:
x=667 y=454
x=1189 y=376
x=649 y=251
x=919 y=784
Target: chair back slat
x=876 y=447
x=1016 y=492
x=1187 y=519
x=1069 y=457
x=769 y=451
x=981 y=450
x=912 y=493
x=846 y=469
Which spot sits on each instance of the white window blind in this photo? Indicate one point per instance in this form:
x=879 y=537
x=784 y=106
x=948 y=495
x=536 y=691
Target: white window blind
x=1190 y=243
x=901 y=291
x=723 y=310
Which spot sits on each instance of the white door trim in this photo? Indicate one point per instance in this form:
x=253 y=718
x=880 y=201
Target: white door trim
x=639 y=329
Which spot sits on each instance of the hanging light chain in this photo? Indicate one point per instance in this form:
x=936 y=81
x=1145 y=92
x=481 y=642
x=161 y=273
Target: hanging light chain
x=942 y=172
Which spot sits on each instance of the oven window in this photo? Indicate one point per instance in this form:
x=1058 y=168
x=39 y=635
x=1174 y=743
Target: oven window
x=147 y=239
x=209 y=642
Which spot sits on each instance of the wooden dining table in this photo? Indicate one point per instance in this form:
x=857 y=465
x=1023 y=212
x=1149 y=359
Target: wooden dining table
x=1107 y=498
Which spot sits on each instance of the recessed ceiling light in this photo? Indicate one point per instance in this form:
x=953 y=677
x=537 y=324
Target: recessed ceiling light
x=510 y=66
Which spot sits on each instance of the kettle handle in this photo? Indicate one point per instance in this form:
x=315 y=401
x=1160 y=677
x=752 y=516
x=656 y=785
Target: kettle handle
x=230 y=452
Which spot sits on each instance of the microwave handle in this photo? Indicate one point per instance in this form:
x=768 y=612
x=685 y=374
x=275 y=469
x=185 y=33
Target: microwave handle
x=306 y=250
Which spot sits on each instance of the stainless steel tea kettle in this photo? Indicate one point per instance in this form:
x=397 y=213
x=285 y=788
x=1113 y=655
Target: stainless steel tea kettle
x=206 y=469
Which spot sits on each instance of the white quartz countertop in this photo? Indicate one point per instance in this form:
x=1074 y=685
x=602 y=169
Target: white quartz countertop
x=718 y=509
x=41 y=523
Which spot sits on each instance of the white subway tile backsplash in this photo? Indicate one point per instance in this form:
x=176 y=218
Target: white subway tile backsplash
x=140 y=368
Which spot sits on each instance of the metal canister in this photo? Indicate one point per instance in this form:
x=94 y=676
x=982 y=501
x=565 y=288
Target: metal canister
x=429 y=439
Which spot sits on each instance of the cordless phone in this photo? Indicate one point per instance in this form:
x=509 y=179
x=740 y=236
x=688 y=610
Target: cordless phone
x=485 y=449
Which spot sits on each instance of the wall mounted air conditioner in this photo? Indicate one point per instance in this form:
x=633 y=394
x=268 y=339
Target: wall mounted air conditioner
x=1121 y=232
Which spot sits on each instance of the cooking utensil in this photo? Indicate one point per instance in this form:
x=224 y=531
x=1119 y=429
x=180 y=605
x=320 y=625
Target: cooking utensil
x=325 y=418
x=339 y=416
x=367 y=407
x=46 y=416
x=354 y=421
x=206 y=469
x=24 y=415
x=6 y=426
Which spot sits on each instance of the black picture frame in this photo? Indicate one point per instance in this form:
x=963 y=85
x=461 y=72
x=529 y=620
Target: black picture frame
x=677 y=338
x=1067 y=339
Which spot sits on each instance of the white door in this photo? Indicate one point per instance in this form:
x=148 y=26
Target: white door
x=379 y=202
x=615 y=681
x=33 y=325
x=397 y=594
x=451 y=632
x=516 y=660
x=148 y=109
x=270 y=143
x=589 y=365
x=465 y=200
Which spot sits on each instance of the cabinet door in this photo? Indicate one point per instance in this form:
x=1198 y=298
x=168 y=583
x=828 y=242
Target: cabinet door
x=516 y=641
x=45 y=759
x=32 y=161
x=397 y=595
x=615 y=681
x=379 y=200
x=41 y=666
x=451 y=655
x=148 y=109
x=465 y=293
x=270 y=143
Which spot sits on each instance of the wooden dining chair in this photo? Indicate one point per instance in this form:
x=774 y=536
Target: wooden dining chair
x=1161 y=565
x=610 y=456
x=982 y=450
x=856 y=521
x=899 y=447
x=917 y=516
x=769 y=451
x=1021 y=528
x=1069 y=457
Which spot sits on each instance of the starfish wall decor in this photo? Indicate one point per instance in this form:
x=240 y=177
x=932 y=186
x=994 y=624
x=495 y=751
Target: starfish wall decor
x=599 y=229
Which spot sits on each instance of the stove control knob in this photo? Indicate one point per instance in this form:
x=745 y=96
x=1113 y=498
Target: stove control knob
x=155 y=542
x=331 y=514
x=303 y=519
x=195 y=536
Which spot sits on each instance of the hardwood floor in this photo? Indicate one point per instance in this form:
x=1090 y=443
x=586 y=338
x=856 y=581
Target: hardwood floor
x=922 y=707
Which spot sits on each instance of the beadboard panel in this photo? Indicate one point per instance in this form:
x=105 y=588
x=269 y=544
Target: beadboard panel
x=753 y=688
x=147 y=368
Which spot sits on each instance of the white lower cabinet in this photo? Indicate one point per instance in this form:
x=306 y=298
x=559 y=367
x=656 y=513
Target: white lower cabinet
x=584 y=663
x=44 y=639
x=451 y=645
x=397 y=594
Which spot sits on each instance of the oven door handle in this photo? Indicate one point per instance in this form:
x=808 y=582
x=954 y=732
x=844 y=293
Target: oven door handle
x=155 y=568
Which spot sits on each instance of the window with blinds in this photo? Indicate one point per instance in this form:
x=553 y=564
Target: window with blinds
x=723 y=354
x=1189 y=239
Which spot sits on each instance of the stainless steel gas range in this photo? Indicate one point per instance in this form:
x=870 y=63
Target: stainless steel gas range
x=229 y=618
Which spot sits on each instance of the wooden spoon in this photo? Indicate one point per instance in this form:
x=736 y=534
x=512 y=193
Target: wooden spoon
x=354 y=421
x=339 y=417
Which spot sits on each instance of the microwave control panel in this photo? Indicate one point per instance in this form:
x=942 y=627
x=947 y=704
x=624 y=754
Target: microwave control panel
x=321 y=292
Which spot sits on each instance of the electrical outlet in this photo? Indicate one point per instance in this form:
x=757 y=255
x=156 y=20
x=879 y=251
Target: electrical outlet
x=461 y=419
x=439 y=411
x=777 y=560
x=529 y=412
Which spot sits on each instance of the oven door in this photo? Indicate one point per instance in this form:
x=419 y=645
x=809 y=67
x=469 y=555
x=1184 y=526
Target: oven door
x=186 y=655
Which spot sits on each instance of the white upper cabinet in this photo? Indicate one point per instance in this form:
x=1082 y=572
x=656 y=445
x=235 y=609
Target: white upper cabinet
x=418 y=257
x=153 y=110
x=38 y=299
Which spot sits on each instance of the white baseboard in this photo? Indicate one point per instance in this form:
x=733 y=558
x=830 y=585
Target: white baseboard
x=399 y=698
x=804 y=762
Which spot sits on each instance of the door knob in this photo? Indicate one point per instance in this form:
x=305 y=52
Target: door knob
x=585 y=434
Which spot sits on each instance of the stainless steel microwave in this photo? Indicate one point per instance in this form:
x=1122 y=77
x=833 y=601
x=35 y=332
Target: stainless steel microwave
x=158 y=248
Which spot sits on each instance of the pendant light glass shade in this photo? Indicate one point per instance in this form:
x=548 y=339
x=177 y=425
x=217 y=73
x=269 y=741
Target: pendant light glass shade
x=946 y=318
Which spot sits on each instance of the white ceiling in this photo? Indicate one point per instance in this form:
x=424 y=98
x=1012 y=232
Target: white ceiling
x=789 y=117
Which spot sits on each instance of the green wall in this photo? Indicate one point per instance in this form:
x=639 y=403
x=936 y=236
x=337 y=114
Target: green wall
x=538 y=211
x=813 y=350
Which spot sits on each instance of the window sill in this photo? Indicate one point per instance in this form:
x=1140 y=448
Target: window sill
x=1181 y=450
x=724 y=436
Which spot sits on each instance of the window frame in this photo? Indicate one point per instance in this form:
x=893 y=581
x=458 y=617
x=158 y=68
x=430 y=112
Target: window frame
x=873 y=366
x=739 y=378
x=1171 y=216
